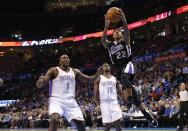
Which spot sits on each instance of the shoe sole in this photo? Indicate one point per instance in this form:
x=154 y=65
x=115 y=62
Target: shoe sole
x=152 y=124
x=154 y=120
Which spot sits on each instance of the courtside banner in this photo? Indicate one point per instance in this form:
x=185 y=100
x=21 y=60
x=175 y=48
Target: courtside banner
x=170 y=57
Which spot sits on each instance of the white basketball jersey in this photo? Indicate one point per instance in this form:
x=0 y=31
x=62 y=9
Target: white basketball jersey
x=63 y=86
x=107 y=88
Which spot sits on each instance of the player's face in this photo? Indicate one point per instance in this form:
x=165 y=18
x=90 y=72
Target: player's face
x=182 y=86
x=106 y=67
x=117 y=34
x=64 y=60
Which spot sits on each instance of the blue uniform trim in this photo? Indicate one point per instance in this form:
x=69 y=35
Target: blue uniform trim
x=50 y=90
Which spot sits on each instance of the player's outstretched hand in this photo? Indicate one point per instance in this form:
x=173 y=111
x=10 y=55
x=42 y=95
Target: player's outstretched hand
x=121 y=15
x=107 y=22
x=40 y=80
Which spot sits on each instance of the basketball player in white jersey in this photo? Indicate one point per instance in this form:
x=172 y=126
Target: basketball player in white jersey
x=62 y=92
x=121 y=58
x=105 y=88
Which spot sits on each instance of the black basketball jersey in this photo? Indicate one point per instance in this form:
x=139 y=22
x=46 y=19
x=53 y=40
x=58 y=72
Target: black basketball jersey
x=120 y=54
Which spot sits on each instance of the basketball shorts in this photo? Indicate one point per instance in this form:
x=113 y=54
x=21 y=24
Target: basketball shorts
x=129 y=69
x=65 y=107
x=110 y=110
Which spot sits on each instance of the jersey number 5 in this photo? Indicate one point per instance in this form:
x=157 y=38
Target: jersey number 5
x=121 y=54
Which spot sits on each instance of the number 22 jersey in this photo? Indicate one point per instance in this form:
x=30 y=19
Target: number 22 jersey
x=120 y=54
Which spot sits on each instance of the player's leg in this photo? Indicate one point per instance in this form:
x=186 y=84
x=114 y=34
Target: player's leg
x=117 y=125
x=126 y=73
x=79 y=124
x=116 y=114
x=126 y=84
x=55 y=111
x=127 y=80
x=74 y=114
x=106 y=114
x=152 y=121
x=107 y=126
x=54 y=121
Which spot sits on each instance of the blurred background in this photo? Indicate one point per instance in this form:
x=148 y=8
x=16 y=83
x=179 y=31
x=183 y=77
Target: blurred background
x=34 y=34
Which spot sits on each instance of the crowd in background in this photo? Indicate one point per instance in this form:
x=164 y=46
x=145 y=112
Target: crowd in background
x=155 y=82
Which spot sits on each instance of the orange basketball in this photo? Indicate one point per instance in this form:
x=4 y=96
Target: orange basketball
x=112 y=15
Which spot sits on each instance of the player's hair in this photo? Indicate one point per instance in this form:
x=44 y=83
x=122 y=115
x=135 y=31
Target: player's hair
x=62 y=55
x=105 y=63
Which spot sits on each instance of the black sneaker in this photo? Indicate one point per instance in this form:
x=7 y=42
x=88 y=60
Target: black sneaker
x=152 y=121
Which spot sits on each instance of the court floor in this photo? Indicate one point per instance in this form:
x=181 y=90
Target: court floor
x=101 y=129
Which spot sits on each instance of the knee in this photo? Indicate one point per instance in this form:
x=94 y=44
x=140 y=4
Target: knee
x=117 y=123
x=124 y=76
x=108 y=125
x=79 y=124
x=137 y=101
x=55 y=118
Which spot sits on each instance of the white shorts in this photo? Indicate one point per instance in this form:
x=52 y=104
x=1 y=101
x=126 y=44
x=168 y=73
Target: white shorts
x=65 y=107
x=129 y=68
x=110 y=110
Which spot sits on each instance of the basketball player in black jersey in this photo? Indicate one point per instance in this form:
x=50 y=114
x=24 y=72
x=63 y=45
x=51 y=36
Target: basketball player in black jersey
x=121 y=58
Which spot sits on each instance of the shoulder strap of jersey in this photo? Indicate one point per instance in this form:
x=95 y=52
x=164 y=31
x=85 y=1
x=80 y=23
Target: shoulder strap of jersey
x=58 y=69
x=71 y=70
x=101 y=76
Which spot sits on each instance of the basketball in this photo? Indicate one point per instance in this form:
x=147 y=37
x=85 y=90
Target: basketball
x=1 y=82
x=112 y=15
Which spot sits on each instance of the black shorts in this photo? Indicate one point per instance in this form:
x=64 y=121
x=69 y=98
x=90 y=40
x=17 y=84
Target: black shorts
x=118 y=72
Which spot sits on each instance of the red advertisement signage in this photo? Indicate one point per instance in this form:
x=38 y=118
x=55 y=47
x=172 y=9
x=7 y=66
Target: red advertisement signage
x=170 y=57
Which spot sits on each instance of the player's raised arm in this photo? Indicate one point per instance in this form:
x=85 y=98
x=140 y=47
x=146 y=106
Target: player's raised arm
x=87 y=78
x=96 y=91
x=104 y=39
x=125 y=27
x=43 y=80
